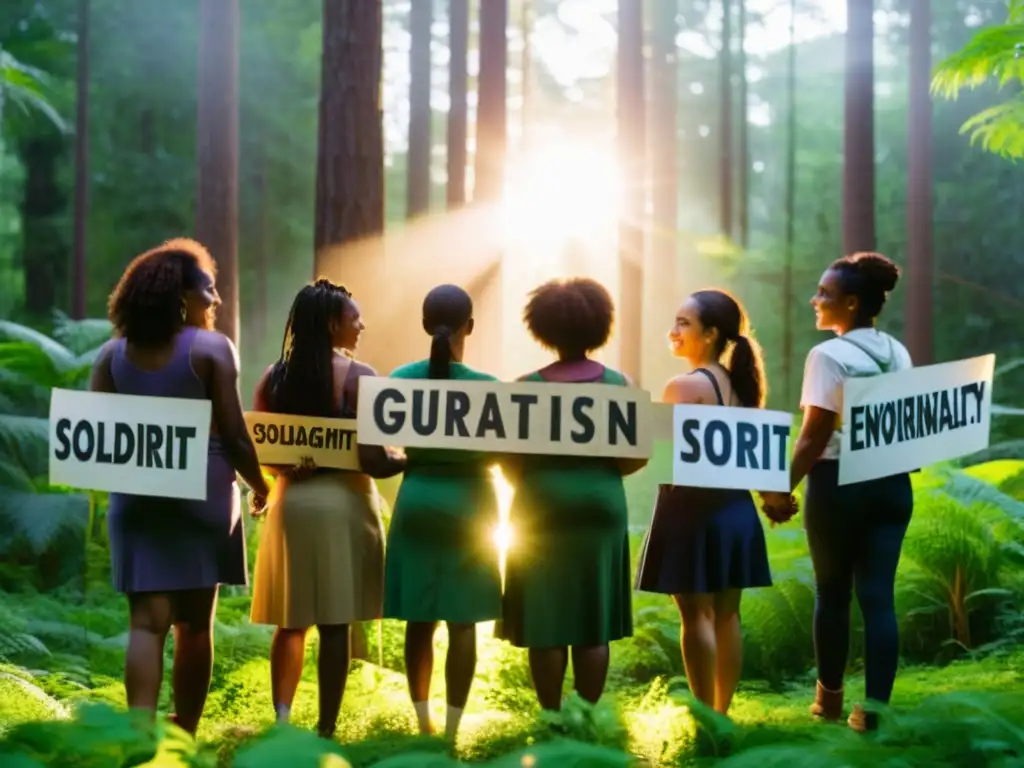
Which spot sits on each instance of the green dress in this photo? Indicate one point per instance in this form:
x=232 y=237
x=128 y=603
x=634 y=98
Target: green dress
x=441 y=562
x=567 y=574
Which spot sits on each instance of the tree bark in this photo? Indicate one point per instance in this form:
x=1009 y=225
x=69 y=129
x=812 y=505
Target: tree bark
x=743 y=131
x=631 y=119
x=81 y=214
x=725 y=139
x=492 y=113
x=350 y=145
x=859 y=129
x=787 y=273
x=663 y=156
x=458 y=44
x=919 y=188
x=418 y=167
x=217 y=151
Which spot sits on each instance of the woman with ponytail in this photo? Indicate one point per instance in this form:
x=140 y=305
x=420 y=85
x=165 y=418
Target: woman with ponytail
x=321 y=554
x=442 y=564
x=706 y=545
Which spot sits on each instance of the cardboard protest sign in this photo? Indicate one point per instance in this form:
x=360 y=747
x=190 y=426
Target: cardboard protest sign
x=285 y=439
x=151 y=446
x=726 y=447
x=506 y=417
x=898 y=422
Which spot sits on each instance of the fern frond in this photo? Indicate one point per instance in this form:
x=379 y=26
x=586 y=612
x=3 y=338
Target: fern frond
x=1000 y=128
x=991 y=54
x=81 y=336
x=41 y=517
x=62 y=358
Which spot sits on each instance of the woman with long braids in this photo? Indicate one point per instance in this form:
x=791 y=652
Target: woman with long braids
x=706 y=545
x=170 y=555
x=321 y=555
x=442 y=564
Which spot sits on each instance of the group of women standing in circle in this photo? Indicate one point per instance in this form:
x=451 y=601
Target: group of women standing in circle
x=324 y=559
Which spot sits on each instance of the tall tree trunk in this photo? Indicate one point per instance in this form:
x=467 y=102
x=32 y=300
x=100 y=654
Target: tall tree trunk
x=350 y=141
x=790 y=213
x=859 y=129
x=217 y=151
x=418 y=169
x=488 y=287
x=458 y=44
x=78 y=279
x=919 y=188
x=632 y=126
x=350 y=144
x=663 y=156
x=44 y=240
x=743 y=131
x=492 y=112
x=725 y=139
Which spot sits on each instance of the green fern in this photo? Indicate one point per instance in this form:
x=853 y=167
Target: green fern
x=993 y=54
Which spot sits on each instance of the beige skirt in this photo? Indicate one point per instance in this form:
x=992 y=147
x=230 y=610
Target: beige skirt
x=320 y=559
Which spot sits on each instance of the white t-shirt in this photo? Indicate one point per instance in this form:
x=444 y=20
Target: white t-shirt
x=832 y=362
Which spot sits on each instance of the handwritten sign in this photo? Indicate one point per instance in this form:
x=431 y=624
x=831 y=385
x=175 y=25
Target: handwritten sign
x=514 y=417
x=150 y=446
x=898 y=422
x=285 y=439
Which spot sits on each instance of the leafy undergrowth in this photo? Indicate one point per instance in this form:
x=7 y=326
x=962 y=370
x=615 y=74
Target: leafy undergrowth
x=970 y=713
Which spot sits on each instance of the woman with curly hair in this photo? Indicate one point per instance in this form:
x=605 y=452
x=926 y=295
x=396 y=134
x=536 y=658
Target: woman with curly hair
x=170 y=555
x=442 y=564
x=567 y=585
x=321 y=555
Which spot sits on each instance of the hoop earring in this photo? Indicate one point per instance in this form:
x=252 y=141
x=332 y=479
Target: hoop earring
x=184 y=313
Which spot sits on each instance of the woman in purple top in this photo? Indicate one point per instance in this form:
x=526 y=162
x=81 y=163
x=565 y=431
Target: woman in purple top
x=170 y=555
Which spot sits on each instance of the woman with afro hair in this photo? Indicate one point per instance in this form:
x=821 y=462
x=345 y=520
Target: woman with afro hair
x=170 y=555
x=567 y=579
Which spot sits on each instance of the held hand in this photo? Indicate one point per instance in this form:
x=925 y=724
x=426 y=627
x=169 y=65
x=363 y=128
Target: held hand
x=257 y=506
x=305 y=468
x=778 y=507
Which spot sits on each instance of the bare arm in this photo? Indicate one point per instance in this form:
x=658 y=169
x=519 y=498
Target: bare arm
x=101 y=379
x=228 y=414
x=261 y=403
x=379 y=461
x=815 y=431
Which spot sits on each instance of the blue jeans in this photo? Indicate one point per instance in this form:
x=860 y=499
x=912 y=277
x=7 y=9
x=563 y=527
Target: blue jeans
x=855 y=534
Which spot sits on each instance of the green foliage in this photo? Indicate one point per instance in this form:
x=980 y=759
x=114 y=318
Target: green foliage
x=40 y=519
x=994 y=54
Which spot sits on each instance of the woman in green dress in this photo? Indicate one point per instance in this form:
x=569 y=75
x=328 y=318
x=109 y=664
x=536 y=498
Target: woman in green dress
x=567 y=574
x=441 y=563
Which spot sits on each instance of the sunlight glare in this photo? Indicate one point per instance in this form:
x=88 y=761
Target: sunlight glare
x=503 y=533
x=561 y=192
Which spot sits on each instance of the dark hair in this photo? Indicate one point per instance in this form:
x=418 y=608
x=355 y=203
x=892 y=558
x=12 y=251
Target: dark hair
x=302 y=380
x=145 y=305
x=870 y=277
x=719 y=309
x=572 y=316
x=446 y=309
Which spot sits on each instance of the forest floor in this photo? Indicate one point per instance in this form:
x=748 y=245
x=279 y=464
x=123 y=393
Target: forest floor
x=940 y=716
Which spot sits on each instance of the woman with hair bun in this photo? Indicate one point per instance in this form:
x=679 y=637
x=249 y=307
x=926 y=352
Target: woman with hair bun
x=855 y=533
x=706 y=545
x=442 y=564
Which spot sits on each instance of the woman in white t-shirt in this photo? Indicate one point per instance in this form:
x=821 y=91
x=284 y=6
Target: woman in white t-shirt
x=855 y=532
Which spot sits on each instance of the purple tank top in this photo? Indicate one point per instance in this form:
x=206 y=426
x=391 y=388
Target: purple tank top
x=174 y=379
